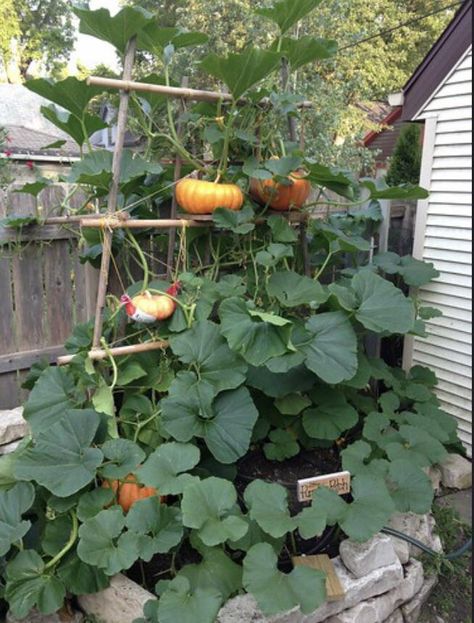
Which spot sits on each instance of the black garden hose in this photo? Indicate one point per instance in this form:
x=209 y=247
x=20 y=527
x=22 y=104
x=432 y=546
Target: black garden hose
x=409 y=539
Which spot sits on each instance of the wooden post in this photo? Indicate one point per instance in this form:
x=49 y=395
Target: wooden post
x=114 y=191
x=174 y=203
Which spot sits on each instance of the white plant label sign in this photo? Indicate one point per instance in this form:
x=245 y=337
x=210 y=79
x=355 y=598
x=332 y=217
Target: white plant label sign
x=340 y=483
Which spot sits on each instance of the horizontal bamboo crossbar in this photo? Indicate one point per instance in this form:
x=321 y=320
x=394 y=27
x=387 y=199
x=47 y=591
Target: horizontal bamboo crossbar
x=196 y=95
x=98 y=354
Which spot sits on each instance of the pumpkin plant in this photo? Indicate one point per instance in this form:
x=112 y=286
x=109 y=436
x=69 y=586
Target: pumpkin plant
x=145 y=459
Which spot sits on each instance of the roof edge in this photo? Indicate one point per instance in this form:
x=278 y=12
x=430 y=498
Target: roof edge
x=393 y=116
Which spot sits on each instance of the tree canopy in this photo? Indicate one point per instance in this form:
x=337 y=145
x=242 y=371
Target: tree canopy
x=35 y=30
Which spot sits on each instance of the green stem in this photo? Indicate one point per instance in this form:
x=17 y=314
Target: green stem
x=143 y=262
x=224 y=164
x=338 y=204
x=113 y=363
x=69 y=545
x=86 y=136
x=324 y=266
x=293 y=543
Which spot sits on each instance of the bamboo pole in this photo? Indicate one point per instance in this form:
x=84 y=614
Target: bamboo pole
x=114 y=190
x=98 y=354
x=196 y=95
x=110 y=223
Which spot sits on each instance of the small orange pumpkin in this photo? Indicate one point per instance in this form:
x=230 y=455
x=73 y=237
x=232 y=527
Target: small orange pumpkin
x=130 y=491
x=149 y=308
x=281 y=197
x=201 y=197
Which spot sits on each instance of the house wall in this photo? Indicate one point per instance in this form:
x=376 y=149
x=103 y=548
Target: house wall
x=444 y=236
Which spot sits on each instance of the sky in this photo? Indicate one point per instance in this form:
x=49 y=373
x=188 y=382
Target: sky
x=90 y=51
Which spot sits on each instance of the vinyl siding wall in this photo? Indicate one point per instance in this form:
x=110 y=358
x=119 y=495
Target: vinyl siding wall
x=444 y=236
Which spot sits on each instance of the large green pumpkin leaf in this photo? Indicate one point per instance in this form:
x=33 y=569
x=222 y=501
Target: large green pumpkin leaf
x=411 y=489
x=422 y=442
x=80 y=578
x=268 y=506
x=380 y=190
x=381 y=306
x=124 y=456
x=279 y=385
x=215 y=571
x=332 y=353
x=52 y=395
x=28 y=585
x=287 y=13
x=355 y=459
x=159 y=527
x=209 y=507
x=331 y=418
x=370 y=511
x=282 y=446
x=240 y=72
x=226 y=425
x=205 y=348
x=93 y=502
x=256 y=338
x=277 y=592
x=300 y=52
x=155 y=38
x=180 y=603
x=13 y=504
x=62 y=459
x=103 y=544
x=117 y=29
x=293 y=290
x=70 y=124
x=72 y=94
x=165 y=466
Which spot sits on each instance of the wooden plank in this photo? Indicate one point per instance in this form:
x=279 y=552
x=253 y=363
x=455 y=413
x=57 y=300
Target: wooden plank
x=58 y=290
x=9 y=391
x=34 y=233
x=334 y=588
x=7 y=329
x=25 y=359
x=50 y=200
x=28 y=291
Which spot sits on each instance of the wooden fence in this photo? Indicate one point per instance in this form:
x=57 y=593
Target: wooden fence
x=44 y=290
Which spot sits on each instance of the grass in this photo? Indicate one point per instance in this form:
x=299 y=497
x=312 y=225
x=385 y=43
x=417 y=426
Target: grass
x=452 y=598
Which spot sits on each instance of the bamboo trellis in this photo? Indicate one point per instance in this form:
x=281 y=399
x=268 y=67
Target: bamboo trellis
x=113 y=220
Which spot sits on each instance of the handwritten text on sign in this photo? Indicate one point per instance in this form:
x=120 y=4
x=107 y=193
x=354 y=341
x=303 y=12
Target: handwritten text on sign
x=340 y=483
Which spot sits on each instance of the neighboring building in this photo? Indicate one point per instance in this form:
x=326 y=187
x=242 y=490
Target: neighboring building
x=383 y=140
x=29 y=134
x=440 y=95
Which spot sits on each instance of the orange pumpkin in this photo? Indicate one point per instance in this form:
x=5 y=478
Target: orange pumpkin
x=148 y=308
x=280 y=196
x=130 y=491
x=201 y=197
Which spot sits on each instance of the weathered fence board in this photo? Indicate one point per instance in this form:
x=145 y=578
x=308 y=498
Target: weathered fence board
x=44 y=289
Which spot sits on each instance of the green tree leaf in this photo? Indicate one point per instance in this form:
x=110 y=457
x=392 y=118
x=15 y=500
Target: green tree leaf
x=62 y=459
x=293 y=290
x=381 y=306
x=209 y=507
x=117 y=29
x=268 y=506
x=240 y=72
x=103 y=544
x=411 y=489
x=204 y=346
x=52 y=395
x=123 y=456
x=159 y=527
x=277 y=592
x=180 y=603
x=287 y=13
x=332 y=353
x=257 y=339
x=165 y=466
x=13 y=504
x=28 y=585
